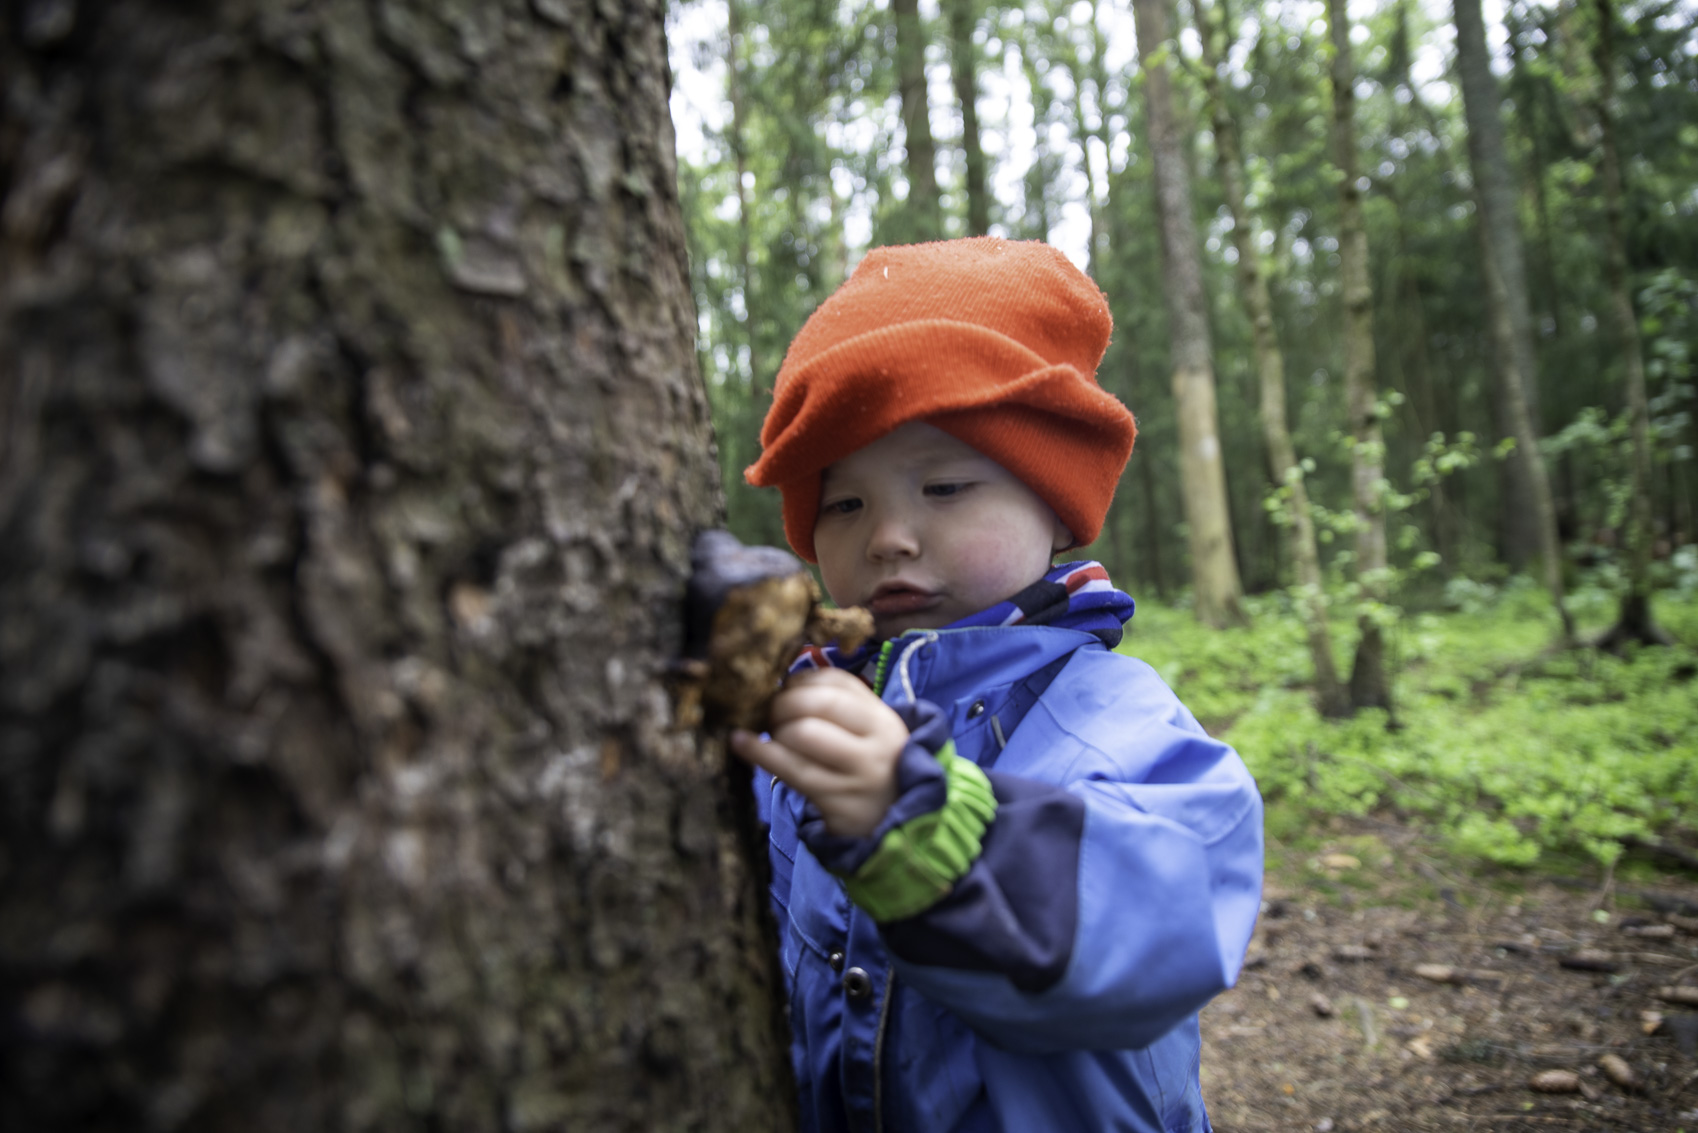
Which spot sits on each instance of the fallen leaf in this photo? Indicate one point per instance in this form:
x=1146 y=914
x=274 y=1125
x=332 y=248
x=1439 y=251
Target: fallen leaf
x=1341 y=861
x=1617 y=1070
x=1555 y=1082
x=1589 y=960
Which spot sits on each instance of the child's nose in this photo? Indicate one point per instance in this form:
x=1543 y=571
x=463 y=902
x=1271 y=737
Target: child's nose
x=894 y=535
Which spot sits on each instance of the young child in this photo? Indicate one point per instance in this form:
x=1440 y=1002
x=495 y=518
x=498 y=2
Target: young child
x=1009 y=866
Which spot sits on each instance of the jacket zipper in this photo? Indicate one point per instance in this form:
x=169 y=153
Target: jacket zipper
x=881 y=672
x=881 y=675
x=878 y=1048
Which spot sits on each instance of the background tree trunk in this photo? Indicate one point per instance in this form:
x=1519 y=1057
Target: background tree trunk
x=1219 y=595
x=1506 y=291
x=1330 y=695
x=1368 y=685
x=925 y=211
x=1078 y=72
x=738 y=141
x=1635 y=622
x=355 y=448
x=964 y=69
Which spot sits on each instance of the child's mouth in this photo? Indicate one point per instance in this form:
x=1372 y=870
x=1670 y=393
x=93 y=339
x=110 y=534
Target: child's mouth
x=896 y=600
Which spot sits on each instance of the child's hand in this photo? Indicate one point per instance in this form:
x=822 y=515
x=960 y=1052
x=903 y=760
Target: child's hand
x=837 y=743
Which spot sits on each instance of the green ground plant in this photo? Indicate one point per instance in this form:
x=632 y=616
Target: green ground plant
x=1511 y=752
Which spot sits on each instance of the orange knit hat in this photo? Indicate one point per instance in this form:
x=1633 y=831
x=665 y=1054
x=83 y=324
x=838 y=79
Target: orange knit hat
x=995 y=342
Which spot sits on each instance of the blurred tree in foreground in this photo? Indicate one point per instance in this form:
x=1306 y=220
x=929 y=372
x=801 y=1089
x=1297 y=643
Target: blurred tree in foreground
x=353 y=450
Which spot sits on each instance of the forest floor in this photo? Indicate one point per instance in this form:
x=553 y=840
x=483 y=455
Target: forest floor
x=1333 y=1026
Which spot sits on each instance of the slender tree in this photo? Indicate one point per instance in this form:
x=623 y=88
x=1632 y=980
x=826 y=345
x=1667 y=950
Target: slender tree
x=1502 y=263
x=1330 y=695
x=353 y=452
x=1036 y=214
x=1368 y=685
x=924 y=209
x=738 y=142
x=1218 y=593
x=1085 y=80
x=1635 y=621
x=964 y=70
x=1410 y=357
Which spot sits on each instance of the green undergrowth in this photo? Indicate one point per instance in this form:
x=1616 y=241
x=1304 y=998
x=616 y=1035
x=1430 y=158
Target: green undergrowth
x=1510 y=750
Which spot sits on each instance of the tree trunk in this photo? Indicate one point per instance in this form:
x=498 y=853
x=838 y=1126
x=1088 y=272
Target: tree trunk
x=354 y=449
x=1330 y=695
x=1093 y=212
x=1035 y=213
x=1635 y=622
x=925 y=213
x=1218 y=592
x=1414 y=365
x=1152 y=522
x=963 y=68
x=739 y=154
x=1368 y=685
x=1506 y=290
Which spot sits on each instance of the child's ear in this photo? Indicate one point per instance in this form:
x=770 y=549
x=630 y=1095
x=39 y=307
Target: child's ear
x=1063 y=538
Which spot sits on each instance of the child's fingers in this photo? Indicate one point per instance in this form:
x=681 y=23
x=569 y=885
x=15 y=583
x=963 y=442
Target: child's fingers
x=830 y=694
x=805 y=740
x=806 y=775
x=823 y=741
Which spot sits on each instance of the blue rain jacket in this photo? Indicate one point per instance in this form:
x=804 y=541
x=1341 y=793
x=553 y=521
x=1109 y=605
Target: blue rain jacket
x=1057 y=986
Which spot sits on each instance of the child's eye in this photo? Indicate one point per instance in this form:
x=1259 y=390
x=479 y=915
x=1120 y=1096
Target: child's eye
x=841 y=507
x=951 y=488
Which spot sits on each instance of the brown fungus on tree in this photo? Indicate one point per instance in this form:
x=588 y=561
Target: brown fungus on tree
x=748 y=612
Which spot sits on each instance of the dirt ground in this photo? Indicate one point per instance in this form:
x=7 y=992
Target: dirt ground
x=1337 y=1023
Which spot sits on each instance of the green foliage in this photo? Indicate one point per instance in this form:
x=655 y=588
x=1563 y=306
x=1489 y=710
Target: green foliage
x=821 y=154
x=1511 y=753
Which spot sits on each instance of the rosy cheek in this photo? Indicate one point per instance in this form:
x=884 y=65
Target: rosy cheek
x=999 y=559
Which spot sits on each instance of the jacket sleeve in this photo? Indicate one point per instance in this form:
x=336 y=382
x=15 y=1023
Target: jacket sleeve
x=1117 y=884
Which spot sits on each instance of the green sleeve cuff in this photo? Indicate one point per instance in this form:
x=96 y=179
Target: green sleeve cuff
x=918 y=863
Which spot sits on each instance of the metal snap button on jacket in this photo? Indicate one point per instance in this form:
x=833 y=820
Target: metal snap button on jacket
x=836 y=961
x=857 y=983
x=976 y=710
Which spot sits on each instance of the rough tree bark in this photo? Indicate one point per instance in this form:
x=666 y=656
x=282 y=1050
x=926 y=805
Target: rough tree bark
x=1330 y=695
x=353 y=447
x=1503 y=264
x=1219 y=594
x=924 y=211
x=1368 y=685
x=1635 y=621
x=964 y=70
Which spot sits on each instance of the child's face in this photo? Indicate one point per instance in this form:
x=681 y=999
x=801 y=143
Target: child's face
x=924 y=529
